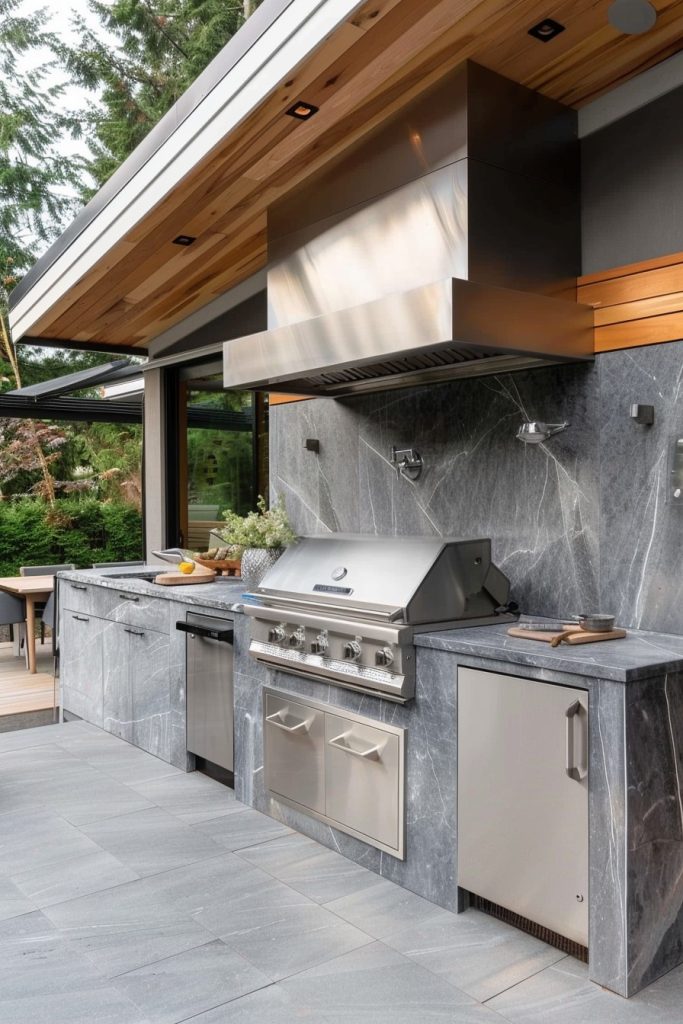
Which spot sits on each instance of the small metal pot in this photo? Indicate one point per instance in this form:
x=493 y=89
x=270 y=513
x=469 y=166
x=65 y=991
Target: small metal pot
x=595 y=623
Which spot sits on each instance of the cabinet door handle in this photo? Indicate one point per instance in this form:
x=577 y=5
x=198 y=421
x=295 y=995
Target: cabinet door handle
x=81 y=618
x=574 y=771
x=276 y=720
x=370 y=753
x=78 y=586
x=134 y=632
x=128 y=597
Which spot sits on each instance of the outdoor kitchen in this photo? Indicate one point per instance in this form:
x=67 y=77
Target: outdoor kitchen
x=433 y=685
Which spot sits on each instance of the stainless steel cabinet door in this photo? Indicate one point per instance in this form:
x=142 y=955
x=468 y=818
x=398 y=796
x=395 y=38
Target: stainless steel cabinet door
x=523 y=798
x=362 y=785
x=294 y=752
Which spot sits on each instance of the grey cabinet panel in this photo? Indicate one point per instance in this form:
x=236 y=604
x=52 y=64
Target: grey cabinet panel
x=136 y=684
x=362 y=779
x=133 y=609
x=77 y=597
x=81 y=665
x=294 y=751
x=522 y=817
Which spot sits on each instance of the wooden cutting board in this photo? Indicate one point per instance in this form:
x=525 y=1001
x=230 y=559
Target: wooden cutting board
x=180 y=579
x=580 y=637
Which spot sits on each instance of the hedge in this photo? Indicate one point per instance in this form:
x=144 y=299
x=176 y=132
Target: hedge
x=79 y=530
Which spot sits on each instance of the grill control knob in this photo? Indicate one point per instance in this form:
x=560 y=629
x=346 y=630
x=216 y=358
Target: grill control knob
x=277 y=634
x=384 y=657
x=352 y=650
x=296 y=639
x=320 y=644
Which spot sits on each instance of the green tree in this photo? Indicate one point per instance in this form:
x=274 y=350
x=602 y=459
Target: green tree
x=161 y=47
x=39 y=185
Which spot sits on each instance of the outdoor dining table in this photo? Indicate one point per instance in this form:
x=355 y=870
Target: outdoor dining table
x=33 y=589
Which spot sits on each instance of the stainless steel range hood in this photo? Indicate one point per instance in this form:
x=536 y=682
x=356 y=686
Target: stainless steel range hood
x=446 y=245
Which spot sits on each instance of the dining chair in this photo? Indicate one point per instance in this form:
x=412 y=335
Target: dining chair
x=49 y=618
x=115 y=565
x=44 y=570
x=13 y=613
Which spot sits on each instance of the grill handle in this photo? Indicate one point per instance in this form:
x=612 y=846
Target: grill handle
x=266 y=601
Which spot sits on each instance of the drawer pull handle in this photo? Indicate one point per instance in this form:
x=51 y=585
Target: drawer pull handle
x=370 y=754
x=574 y=771
x=134 y=632
x=128 y=597
x=78 y=586
x=276 y=720
x=81 y=618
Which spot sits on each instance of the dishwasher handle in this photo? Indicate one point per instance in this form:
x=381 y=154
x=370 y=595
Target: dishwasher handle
x=225 y=636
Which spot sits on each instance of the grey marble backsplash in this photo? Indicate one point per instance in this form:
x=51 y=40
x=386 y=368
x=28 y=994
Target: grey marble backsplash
x=581 y=522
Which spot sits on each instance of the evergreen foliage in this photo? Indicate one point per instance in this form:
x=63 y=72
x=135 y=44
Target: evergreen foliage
x=163 y=46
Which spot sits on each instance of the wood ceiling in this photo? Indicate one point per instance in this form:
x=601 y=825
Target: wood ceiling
x=387 y=53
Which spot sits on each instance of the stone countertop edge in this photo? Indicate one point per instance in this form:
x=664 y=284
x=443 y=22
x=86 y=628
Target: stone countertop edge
x=225 y=595
x=640 y=655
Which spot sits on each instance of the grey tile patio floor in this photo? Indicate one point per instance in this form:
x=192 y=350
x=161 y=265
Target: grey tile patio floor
x=131 y=893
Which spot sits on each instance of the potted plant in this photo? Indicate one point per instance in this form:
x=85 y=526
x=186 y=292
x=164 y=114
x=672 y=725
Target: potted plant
x=261 y=537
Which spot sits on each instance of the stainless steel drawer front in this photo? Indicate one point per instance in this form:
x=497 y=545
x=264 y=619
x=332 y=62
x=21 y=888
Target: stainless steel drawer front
x=343 y=769
x=294 y=743
x=210 y=698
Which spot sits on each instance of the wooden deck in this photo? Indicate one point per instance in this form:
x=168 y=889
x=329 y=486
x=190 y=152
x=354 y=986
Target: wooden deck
x=19 y=690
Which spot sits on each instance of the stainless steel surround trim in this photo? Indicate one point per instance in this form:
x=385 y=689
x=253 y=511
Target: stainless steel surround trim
x=443 y=328
x=389 y=685
x=390 y=730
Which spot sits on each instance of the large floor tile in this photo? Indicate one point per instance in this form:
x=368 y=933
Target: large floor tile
x=125 y=928
x=41 y=735
x=244 y=828
x=184 y=985
x=310 y=868
x=13 y=902
x=95 y=798
x=69 y=879
x=152 y=840
x=36 y=960
x=266 y=1006
x=82 y=1006
x=191 y=797
x=125 y=763
x=376 y=985
x=385 y=909
x=563 y=995
x=475 y=952
x=36 y=838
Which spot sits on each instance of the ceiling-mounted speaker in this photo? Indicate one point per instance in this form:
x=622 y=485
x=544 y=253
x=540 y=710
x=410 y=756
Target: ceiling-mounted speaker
x=633 y=17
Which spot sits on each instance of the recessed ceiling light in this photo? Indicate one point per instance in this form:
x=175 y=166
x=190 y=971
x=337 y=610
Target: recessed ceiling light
x=184 y=240
x=302 y=111
x=546 y=30
x=632 y=17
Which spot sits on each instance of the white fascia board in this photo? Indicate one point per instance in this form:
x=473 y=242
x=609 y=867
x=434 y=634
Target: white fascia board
x=294 y=35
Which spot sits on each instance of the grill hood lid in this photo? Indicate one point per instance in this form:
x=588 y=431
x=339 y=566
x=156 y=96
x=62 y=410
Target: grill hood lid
x=445 y=245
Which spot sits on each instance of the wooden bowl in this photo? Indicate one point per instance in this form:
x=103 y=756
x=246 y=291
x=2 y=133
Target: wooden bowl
x=223 y=566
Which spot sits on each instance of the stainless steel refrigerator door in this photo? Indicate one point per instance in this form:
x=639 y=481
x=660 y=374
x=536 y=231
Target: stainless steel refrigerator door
x=210 y=712
x=523 y=798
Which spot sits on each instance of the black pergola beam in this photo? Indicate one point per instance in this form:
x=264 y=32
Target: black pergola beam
x=83 y=346
x=106 y=410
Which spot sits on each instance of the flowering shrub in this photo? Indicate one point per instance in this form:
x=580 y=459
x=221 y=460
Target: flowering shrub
x=267 y=528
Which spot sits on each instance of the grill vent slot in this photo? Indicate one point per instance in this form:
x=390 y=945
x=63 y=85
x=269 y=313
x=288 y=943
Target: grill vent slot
x=409 y=364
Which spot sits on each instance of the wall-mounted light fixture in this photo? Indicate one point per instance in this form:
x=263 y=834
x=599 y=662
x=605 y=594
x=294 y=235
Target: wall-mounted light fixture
x=535 y=432
x=632 y=17
x=407 y=462
x=302 y=111
x=546 y=30
x=184 y=240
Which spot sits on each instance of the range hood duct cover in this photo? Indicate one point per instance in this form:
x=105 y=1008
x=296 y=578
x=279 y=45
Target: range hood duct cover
x=445 y=245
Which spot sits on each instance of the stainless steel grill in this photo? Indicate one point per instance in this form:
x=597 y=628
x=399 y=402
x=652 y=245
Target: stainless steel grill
x=345 y=608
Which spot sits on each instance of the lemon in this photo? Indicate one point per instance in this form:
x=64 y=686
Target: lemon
x=186 y=567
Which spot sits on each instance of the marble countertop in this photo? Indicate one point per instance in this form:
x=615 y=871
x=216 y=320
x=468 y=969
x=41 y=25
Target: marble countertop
x=226 y=593
x=638 y=656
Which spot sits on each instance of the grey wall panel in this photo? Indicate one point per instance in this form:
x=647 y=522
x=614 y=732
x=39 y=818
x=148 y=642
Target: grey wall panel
x=632 y=197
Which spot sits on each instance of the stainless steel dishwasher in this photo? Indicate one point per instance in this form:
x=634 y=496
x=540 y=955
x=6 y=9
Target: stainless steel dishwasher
x=210 y=711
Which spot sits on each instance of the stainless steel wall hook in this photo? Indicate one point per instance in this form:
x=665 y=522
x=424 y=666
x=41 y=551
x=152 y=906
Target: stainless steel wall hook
x=407 y=462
